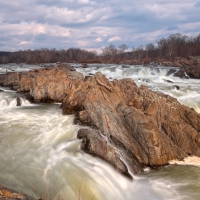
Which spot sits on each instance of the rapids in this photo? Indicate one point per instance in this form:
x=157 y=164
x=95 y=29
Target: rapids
x=40 y=154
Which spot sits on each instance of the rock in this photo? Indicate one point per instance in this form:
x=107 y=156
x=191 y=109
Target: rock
x=19 y=101
x=71 y=68
x=132 y=127
x=9 y=79
x=125 y=66
x=43 y=85
x=168 y=81
x=9 y=194
x=84 y=65
x=87 y=77
x=189 y=72
x=176 y=87
x=171 y=71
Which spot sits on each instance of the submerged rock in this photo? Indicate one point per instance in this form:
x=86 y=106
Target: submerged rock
x=168 y=81
x=176 y=87
x=19 y=101
x=125 y=66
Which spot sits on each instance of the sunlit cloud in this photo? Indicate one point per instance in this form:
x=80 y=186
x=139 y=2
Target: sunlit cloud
x=116 y=38
x=98 y=40
x=23 y=42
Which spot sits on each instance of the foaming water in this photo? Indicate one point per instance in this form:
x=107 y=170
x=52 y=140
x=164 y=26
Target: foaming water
x=159 y=79
x=40 y=152
x=191 y=160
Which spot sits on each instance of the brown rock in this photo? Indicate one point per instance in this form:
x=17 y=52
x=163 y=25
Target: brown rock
x=44 y=85
x=131 y=127
x=127 y=126
x=9 y=194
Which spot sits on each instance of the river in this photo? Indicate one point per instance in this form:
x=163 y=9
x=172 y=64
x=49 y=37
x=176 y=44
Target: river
x=40 y=154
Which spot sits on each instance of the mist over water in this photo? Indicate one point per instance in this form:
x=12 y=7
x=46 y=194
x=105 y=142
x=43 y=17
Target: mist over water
x=39 y=150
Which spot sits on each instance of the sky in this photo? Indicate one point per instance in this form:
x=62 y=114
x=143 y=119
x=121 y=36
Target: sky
x=93 y=24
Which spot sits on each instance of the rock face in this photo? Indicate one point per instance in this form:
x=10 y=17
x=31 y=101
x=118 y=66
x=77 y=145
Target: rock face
x=189 y=72
x=9 y=194
x=43 y=85
x=127 y=126
x=132 y=127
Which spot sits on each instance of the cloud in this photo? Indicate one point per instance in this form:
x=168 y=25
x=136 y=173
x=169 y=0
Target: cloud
x=91 y=24
x=83 y=1
x=197 y=4
x=116 y=38
x=23 y=42
x=98 y=40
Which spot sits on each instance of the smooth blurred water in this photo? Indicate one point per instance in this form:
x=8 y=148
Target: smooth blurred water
x=39 y=151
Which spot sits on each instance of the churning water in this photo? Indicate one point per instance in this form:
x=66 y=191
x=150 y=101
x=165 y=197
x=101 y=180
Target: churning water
x=39 y=151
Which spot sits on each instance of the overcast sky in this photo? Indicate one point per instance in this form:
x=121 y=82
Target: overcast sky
x=93 y=24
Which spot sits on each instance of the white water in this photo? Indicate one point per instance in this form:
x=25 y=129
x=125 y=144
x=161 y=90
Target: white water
x=39 y=150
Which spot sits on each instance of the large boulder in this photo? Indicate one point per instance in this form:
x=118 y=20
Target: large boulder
x=44 y=85
x=132 y=127
x=189 y=72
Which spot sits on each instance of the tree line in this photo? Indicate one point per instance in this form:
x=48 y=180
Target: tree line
x=44 y=55
x=175 y=45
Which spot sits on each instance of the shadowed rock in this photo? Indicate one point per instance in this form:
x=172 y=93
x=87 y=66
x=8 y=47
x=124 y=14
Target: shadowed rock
x=189 y=72
x=19 y=101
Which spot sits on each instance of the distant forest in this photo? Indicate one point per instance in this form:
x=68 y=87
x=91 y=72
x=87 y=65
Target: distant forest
x=175 y=45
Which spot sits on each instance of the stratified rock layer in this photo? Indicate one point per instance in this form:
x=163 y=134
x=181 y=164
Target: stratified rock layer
x=128 y=126
x=43 y=85
x=132 y=127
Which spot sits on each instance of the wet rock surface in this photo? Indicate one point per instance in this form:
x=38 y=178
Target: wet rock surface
x=9 y=194
x=130 y=127
x=43 y=85
x=188 y=72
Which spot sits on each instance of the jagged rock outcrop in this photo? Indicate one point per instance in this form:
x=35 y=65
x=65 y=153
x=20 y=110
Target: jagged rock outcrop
x=43 y=85
x=9 y=194
x=132 y=127
x=128 y=126
x=188 y=72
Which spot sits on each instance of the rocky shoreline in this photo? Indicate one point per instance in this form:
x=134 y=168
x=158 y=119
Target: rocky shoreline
x=130 y=127
x=9 y=194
